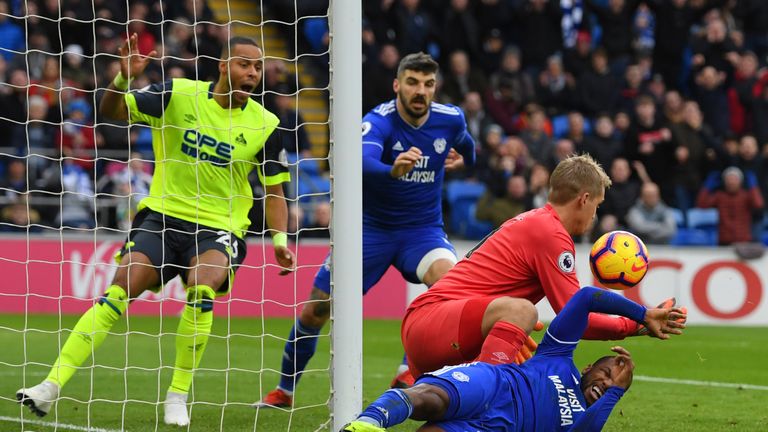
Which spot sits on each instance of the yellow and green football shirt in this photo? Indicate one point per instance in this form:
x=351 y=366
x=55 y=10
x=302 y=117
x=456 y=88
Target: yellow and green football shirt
x=204 y=153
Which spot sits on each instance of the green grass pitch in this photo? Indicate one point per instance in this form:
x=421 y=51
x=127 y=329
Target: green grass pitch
x=239 y=369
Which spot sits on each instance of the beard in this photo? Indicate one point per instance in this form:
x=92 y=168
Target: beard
x=409 y=110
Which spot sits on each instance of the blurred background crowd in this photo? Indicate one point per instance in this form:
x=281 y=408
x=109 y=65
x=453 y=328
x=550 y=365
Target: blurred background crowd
x=670 y=96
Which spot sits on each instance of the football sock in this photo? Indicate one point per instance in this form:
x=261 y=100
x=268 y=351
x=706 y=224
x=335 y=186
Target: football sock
x=502 y=343
x=300 y=347
x=192 y=335
x=89 y=332
x=391 y=408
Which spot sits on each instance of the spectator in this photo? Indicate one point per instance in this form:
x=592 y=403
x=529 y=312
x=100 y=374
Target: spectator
x=650 y=142
x=535 y=136
x=650 y=219
x=380 y=76
x=576 y=129
x=36 y=138
x=414 y=27
x=673 y=107
x=760 y=108
x=128 y=184
x=460 y=30
x=564 y=148
x=619 y=198
x=672 y=30
x=19 y=217
x=477 y=120
x=695 y=154
x=511 y=89
x=76 y=69
x=741 y=97
x=715 y=49
x=76 y=189
x=77 y=135
x=539 y=186
x=735 y=203
x=14 y=185
x=752 y=161
x=539 y=30
x=498 y=210
x=598 y=89
x=643 y=30
x=319 y=226
x=632 y=88
x=712 y=96
x=753 y=15
x=617 y=21
x=555 y=89
x=508 y=159
x=578 y=60
x=461 y=79
x=603 y=145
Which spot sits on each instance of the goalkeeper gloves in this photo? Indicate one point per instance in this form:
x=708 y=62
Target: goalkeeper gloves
x=530 y=345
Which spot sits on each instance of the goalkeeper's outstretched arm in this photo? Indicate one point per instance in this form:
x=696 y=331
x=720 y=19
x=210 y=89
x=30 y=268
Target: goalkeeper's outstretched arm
x=132 y=64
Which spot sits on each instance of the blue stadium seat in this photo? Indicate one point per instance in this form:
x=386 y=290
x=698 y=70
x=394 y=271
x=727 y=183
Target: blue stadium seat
x=476 y=229
x=559 y=126
x=700 y=218
x=461 y=196
x=694 y=237
x=679 y=217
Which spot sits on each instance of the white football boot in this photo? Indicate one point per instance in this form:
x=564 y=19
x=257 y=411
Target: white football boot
x=176 y=409
x=39 y=398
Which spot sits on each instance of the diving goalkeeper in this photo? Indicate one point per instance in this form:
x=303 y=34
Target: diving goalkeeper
x=207 y=137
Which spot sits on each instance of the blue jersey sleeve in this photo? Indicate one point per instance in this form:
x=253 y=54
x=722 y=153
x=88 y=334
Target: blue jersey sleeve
x=375 y=134
x=465 y=144
x=569 y=325
x=597 y=414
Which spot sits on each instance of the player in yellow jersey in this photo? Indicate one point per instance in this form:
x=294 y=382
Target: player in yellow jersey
x=207 y=137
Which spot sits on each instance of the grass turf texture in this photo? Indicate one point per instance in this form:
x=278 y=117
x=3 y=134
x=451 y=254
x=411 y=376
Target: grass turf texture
x=719 y=354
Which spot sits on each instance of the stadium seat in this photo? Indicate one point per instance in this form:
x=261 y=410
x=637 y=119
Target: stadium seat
x=694 y=237
x=462 y=195
x=559 y=126
x=476 y=229
x=679 y=217
x=706 y=219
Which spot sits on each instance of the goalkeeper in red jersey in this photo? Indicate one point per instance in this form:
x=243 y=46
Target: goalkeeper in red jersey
x=477 y=310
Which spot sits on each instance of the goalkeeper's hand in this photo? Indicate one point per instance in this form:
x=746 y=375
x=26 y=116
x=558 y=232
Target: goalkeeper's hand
x=530 y=345
x=642 y=330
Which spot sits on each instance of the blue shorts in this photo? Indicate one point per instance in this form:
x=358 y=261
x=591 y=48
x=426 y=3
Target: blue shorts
x=403 y=249
x=480 y=398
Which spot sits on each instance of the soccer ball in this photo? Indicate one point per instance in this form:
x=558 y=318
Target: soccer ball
x=619 y=260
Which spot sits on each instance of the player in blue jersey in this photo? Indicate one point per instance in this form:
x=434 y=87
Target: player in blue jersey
x=546 y=393
x=408 y=144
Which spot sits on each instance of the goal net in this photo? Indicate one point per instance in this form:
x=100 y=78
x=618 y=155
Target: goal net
x=71 y=183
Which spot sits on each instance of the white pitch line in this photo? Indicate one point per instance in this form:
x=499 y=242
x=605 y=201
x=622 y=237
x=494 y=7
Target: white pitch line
x=56 y=425
x=700 y=383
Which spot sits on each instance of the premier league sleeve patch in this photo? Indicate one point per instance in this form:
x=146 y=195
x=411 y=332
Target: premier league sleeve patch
x=566 y=262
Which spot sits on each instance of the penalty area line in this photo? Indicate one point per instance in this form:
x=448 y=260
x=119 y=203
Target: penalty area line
x=700 y=383
x=55 y=425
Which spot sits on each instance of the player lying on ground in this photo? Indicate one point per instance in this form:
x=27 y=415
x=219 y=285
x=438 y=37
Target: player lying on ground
x=207 y=138
x=543 y=394
x=408 y=145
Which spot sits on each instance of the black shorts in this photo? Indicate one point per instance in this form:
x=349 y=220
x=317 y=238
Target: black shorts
x=171 y=243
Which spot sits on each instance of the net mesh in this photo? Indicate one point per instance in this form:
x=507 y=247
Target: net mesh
x=71 y=183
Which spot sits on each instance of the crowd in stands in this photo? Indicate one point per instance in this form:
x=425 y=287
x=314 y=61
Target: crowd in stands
x=670 y=96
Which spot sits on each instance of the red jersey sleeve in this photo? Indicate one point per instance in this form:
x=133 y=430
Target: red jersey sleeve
x=555 y=263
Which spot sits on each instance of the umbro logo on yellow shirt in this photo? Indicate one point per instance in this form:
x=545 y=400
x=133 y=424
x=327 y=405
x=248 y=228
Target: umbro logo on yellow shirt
x=190 y=118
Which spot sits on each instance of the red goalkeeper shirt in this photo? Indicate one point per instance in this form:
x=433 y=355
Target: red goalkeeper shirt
x=531 y=256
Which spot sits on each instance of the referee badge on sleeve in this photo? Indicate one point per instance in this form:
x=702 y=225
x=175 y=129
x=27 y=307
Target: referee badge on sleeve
x=566 y=262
